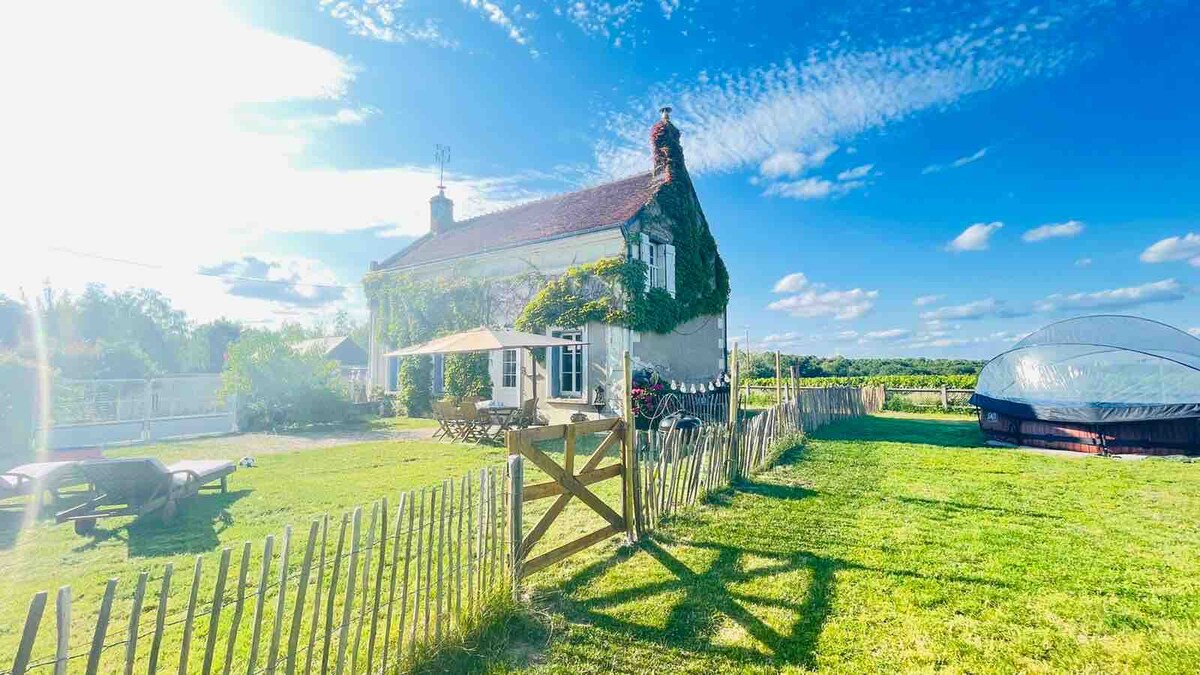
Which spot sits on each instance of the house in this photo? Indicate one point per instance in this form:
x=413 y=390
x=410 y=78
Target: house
x=654 y=218
x=342 y=349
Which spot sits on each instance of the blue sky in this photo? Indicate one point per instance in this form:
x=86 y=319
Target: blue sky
x=932 y=179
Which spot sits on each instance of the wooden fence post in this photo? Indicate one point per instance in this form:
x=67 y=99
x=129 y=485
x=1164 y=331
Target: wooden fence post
x=945 y=399
x=516 y=482
x=628 y=451
x=734 y=407
x=778 y=392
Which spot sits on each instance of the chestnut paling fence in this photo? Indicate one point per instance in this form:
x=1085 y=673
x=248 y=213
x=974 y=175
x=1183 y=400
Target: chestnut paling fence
x=362 y=593
x=369 y=590
x=676 y=469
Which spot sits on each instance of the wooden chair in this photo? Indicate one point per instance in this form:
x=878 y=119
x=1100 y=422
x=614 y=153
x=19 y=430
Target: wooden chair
x=526 y=416
x=474 y=423
x=446 y=415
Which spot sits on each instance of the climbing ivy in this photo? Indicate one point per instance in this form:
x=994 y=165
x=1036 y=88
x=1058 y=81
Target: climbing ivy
x=413 y=311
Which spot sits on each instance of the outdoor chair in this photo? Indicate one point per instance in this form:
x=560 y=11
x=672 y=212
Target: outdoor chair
x=40 y=478
x=527 y=416
x=446 y=415
x=141 y=486
x=474 y=422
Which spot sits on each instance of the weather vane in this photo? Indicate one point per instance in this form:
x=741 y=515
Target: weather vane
x=441 y=155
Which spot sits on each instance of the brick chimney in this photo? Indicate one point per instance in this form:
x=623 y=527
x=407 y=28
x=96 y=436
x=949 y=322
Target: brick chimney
x=441 y=211
x=667 y=152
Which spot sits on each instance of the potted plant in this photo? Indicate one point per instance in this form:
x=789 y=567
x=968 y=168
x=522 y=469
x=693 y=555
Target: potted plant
x=648 y=392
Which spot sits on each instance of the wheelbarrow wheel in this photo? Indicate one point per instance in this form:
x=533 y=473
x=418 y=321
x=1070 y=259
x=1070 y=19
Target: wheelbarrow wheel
x=85 y=526
x=170 y=510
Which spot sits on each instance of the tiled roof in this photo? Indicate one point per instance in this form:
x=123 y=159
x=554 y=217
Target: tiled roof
x=595 y=208
x=323 y=345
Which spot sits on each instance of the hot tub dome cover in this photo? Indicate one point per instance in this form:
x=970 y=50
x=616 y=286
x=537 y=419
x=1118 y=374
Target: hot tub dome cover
x=1096 y=369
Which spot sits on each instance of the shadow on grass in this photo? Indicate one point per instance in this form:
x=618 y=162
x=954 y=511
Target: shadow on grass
x=11 y=520
x=195 y=530
x=939 y=432
x=960 y=507
x=710 y=598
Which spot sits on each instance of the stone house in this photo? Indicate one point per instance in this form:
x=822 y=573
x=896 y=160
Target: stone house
x=653 y=217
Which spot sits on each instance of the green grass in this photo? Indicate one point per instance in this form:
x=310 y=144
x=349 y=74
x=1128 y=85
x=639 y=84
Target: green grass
x=285 y=488
x=893 y=543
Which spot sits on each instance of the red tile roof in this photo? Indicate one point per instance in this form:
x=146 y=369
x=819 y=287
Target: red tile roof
x=603 y=206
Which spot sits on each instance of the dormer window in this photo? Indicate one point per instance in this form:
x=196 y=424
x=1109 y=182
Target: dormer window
x=660 y=263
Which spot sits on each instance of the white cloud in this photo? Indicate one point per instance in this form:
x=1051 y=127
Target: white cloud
x=142 y=189
x=815 y=302
x=1071 y=228
x=974 y=238
x=923 y=300
x=812 y=188
x=1173 y=249
x=1083 y=262
x=796 y=281
x=668 y=7
x=610 y=19
x=792 y=163
x=971 y=310
x=1195 y=332
x=956 y=164
x=1167 y=290
x=739 y=119
x=496 y=14
x=857 y=173
x=384 y=20
x=889 y=335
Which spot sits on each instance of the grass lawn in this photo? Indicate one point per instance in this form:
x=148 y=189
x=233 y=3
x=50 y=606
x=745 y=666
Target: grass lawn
x=285 y=488
x=893 y=543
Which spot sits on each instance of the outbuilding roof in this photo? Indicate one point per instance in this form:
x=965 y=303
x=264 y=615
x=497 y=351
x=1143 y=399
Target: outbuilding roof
x=596 y=208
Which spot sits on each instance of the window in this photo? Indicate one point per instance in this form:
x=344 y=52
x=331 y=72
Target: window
x=652 y=261
x=438 y=381
x=508 y=369
x=569 y=365
x=660 y=263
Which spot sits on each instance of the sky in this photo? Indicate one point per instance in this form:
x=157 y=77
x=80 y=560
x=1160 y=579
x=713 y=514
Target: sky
x=883 y=179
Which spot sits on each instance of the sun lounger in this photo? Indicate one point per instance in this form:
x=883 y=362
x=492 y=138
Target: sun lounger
x=140 y=486
x=39 y=478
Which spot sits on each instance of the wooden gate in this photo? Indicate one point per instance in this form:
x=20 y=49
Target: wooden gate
x=567 y=481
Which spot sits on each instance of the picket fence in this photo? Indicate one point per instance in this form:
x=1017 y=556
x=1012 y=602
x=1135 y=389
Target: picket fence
x=381 y=594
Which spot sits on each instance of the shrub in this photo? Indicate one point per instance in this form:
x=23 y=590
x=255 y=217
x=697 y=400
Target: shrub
x=467 y=375
x=279 y=387
x=18 y=401
x=415 y=385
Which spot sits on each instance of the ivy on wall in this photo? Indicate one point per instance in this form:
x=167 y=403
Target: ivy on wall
x=411 y=311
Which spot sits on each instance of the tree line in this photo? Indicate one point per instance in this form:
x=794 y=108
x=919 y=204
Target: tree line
x=762 y=365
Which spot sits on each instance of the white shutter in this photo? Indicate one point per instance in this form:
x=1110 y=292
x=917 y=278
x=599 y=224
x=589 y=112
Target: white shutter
x=669 y=267
x=645 y=256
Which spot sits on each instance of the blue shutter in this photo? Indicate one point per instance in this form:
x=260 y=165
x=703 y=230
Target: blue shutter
x=393 y=373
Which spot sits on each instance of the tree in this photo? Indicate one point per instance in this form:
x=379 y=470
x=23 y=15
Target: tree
x=209 y=345
x=278 y=386
x=12 y=322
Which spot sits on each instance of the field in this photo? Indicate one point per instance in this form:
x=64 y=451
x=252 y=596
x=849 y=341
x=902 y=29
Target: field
x=298 y=478
x=892 y=543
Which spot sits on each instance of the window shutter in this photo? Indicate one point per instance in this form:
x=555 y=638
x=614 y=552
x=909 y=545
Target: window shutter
x=645 y=256
x=669 y=267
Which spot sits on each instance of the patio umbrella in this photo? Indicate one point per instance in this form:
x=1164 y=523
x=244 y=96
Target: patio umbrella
x=484 y=339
